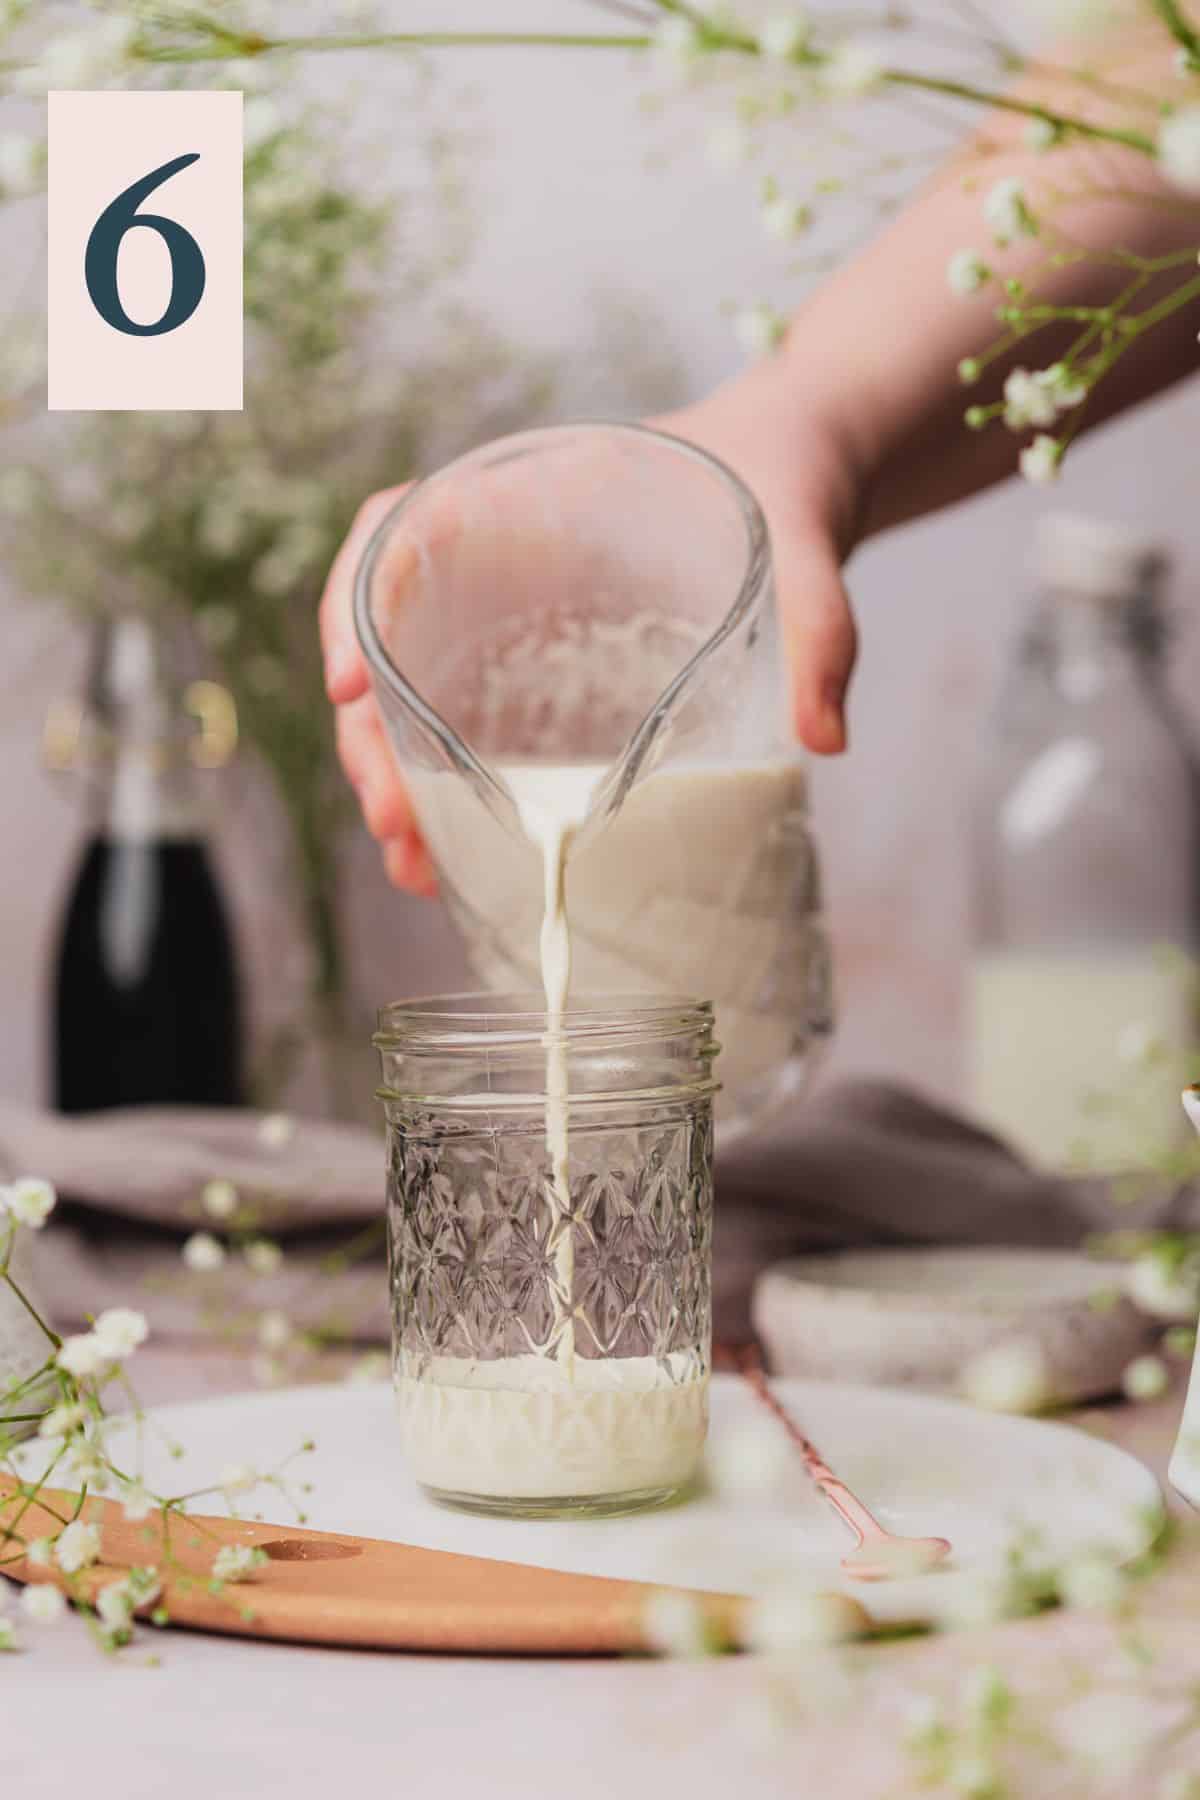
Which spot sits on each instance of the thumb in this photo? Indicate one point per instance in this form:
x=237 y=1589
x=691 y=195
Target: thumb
x=820 y=638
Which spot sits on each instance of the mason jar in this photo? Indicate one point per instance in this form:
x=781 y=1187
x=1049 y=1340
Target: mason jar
x=551 y=1342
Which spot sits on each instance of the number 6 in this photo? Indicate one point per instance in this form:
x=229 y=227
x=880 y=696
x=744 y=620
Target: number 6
x=104 y=244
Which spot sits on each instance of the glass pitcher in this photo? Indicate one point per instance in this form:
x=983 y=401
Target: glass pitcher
x=602 y=595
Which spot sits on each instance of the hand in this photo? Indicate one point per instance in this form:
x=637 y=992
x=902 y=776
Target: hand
x=362 y=744
x=804 y=480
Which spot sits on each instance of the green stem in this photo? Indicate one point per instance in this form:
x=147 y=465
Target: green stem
x=709 y=36
x=34 y=1314
x=234 y=48
x=1179 y=26
x=1031 y=109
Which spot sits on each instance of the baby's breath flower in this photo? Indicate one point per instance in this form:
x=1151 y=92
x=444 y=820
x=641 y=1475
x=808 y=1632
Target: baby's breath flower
x=783 y=35
x=86 y=1465
x=114 y=1608
x=28 y=1201
x=1145 y=1378
x=783 y=1621
x=61 y=1421
x=21 y=163
x=673 y=1624
x=219 y=1199
x=262 y=1256
x=1179 y=149
x=203 y=1253
x=1040 y=460
x=79 y=59
x=1180 y=1342
x=851 y=69
x=42 y=1602
x=234 y=1562
x=1008 y=1378
x=121 y=1330
x=1041 y=134
x=924 y=1724
x=39 y=1552
x=728 y=144
x=752 y=1461
x=1007 y=211
x=77 y=1547
x=84 y=1356
x=137 y=1502
x=1029 y=399
x=274 y=1330
x=784 y=219
x=758 y=329
x=969 y=371
x=966 y=272
x=678 y=41
x=237 y=1478
x=986 y=1695
x=8 y=1635
x=973 y=1774
x=1092 y=1583
x=275 y=1130
x=1166 y=1287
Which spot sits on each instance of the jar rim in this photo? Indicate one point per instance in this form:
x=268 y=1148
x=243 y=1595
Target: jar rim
x=472 y=1019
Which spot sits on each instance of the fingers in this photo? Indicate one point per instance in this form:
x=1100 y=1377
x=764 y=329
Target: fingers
x=386 y=807
x=408 y=866
x=345 y=671
x=820 y=638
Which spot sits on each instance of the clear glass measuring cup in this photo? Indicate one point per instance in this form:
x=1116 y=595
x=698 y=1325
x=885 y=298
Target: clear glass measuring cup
x=602 y=595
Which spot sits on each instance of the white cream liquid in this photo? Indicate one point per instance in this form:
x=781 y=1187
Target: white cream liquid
x=1049 y=1029
x=518 y=1429
x=552 y=805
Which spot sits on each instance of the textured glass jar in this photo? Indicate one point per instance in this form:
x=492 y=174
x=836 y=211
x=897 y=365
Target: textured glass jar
x=548 y=1361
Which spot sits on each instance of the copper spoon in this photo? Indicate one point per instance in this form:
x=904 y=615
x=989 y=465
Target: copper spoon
x=879 y=1555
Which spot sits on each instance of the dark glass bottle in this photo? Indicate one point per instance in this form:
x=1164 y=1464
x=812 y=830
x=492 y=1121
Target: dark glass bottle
x=146 y=1001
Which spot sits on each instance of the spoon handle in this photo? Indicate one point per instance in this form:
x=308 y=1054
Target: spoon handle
x=846 y=1504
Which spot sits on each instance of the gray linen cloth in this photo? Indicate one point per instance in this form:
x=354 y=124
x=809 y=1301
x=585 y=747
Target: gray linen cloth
x=861 y=1162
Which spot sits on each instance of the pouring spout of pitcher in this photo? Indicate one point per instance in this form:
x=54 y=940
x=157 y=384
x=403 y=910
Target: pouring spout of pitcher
x=1183 y=1471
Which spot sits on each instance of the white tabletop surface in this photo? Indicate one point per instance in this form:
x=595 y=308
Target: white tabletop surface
x=182 y=1715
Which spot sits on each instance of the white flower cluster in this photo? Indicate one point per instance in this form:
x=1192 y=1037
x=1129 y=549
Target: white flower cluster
x=783 y=36
x=852 y=68
x=1010 y=1377
x=1037 y=397
x=759 y=329
x=236 y=1562
x=81 y=59
x=27 y=1202
x=1179 y=149
x=1040 y=461
x=1008 y=212
x=93 y=1355
x=966 y=272
x=22 y=165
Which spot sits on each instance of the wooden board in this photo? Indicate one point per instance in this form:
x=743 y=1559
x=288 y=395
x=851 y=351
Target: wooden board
x=323 y=1587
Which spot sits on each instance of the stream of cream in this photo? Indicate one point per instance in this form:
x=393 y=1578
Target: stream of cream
x=552 y=804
